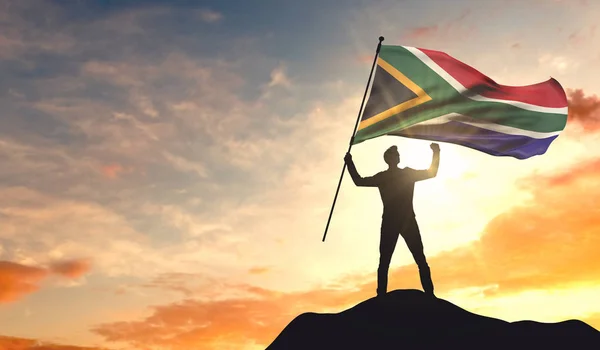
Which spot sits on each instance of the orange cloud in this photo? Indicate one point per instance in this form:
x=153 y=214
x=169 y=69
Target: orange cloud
x=17 y=280
x=258 y=270
x=71 y=268
x=231 y=323
x=12 y=343
x=582 y=172
x=111 y=171
x=584 y=110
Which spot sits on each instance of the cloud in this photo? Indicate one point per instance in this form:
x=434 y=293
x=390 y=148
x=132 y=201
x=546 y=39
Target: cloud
x=581 y=172
x=71 y=268
x=183 y=164
x=254 y=318
x=584 y=110
x=258 y=270
x=40 y=227
x=14 y=343
x=210 y=16
x=18 y=280
x=278 y=79
x=557 y=63
x=111 y=171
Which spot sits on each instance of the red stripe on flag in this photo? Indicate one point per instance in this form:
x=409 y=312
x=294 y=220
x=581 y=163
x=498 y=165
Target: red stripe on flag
x=545 y=94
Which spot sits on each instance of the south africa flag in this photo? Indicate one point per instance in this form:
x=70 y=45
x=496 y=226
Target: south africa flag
x=429 y=95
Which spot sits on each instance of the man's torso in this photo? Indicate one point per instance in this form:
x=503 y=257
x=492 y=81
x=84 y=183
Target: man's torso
x=396 y=187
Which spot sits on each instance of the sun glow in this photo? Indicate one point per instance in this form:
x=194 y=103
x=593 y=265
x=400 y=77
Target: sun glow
x=418 y=155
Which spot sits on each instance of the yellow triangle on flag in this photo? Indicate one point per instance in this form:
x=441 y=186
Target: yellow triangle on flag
x=420 y=96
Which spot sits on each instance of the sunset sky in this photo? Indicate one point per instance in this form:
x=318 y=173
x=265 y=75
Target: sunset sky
x=166 y=171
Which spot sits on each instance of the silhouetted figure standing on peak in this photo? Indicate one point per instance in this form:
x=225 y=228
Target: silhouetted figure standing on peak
x=396 y=187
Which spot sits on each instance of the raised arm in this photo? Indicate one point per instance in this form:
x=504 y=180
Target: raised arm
x=433 y=168
x=358 y=180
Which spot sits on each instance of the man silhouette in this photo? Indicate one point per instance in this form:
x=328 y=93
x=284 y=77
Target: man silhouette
x=396 y=187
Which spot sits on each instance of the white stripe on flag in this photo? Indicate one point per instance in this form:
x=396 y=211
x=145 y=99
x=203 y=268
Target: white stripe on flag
x=461 y=89
x=460 y=118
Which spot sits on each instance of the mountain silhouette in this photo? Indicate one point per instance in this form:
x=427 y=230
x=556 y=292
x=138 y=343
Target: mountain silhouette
x=409 y=319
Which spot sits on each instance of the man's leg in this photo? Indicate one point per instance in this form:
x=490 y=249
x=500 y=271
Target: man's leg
x=387 y=244
x=412 y=237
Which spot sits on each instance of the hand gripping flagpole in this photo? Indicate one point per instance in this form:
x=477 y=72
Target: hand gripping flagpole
x=353 y=133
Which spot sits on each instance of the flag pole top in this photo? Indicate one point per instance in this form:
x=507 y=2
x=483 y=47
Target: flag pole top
x=379 y=45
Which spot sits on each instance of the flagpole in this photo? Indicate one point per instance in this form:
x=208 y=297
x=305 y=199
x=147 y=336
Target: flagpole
x=353 y=133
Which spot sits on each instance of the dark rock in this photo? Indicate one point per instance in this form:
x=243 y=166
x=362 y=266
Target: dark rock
x=409 y=319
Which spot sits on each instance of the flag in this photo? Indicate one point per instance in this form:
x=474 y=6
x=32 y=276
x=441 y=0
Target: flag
x=425 y=94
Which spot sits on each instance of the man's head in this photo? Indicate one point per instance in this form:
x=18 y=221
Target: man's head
x=391 y=156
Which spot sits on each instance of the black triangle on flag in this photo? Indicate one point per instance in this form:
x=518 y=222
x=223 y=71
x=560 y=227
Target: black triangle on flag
x=391 y=93
x=386 y=92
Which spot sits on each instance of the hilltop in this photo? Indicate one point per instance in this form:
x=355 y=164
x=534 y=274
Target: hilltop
x=408 y=319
